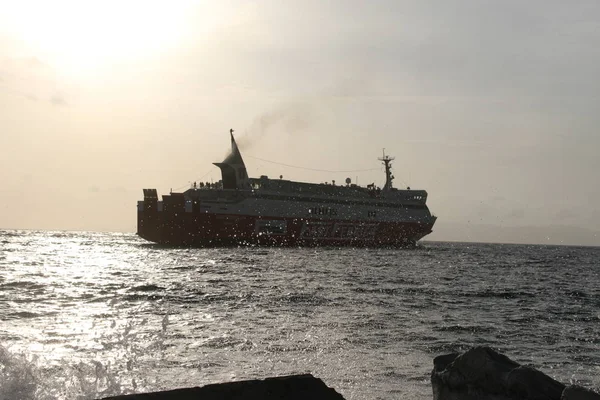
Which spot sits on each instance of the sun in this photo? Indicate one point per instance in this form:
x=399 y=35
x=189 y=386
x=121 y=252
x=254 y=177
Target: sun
x=78 y=36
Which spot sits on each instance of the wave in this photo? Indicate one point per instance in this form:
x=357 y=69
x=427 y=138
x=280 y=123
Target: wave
x=303 y=298
x=24 y=315
x=22 y=285
x=502 y=294
x=465 y=328
x=147 y=288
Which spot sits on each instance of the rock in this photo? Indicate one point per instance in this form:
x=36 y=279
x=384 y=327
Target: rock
x=578 y=393
x=484 y=374
x=293 y=387
x=529 y=383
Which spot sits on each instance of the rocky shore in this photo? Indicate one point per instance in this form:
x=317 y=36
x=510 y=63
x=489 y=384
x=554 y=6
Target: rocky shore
x=294 y=387
x=480 y=373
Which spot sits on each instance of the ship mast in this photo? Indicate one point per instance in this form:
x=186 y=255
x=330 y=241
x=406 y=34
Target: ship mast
x=387 y=162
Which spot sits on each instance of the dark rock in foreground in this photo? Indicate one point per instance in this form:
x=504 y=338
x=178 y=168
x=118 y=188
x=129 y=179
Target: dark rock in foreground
x=294 y=387
x=483 y=374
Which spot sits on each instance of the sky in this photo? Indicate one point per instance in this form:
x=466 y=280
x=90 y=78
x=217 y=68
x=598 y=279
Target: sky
x=490 y=106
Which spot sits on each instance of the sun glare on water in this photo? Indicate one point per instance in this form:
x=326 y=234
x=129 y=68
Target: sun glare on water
x=81 y=37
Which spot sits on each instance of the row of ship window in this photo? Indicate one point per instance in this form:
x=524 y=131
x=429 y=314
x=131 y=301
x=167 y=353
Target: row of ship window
x=345 y=202
x=322 y=211
x=313 y=210
x=333 y=211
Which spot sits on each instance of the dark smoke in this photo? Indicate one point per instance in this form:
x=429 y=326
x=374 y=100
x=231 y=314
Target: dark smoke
x=287 y=119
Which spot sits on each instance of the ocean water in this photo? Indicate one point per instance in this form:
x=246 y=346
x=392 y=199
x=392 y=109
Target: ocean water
x=87 y=315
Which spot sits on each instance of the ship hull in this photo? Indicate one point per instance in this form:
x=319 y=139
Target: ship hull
x=213 y=230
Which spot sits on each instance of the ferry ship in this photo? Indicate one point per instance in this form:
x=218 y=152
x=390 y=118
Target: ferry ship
x=239 y=210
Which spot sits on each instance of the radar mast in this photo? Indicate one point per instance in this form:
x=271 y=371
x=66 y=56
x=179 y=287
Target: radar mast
x=387 y=162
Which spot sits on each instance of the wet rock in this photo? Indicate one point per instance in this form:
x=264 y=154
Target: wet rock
x=529 y=383
x=294 y=387
x=484 y=374
x=578 y=393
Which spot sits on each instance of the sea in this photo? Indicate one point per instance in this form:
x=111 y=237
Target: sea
x=86 y=315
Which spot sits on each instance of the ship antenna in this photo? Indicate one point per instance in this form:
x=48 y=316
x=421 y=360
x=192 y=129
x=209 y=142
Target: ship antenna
x=387 y=162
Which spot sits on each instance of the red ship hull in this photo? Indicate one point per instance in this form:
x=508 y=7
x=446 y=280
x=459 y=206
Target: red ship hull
x=206 y=230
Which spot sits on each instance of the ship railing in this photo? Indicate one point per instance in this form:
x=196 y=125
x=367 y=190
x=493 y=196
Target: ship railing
x=206 y=185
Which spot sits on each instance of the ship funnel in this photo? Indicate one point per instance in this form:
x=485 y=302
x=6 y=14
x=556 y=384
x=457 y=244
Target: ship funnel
x=233 y=169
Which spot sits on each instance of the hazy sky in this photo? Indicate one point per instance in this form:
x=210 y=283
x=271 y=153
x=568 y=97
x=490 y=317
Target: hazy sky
x=491 y=106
